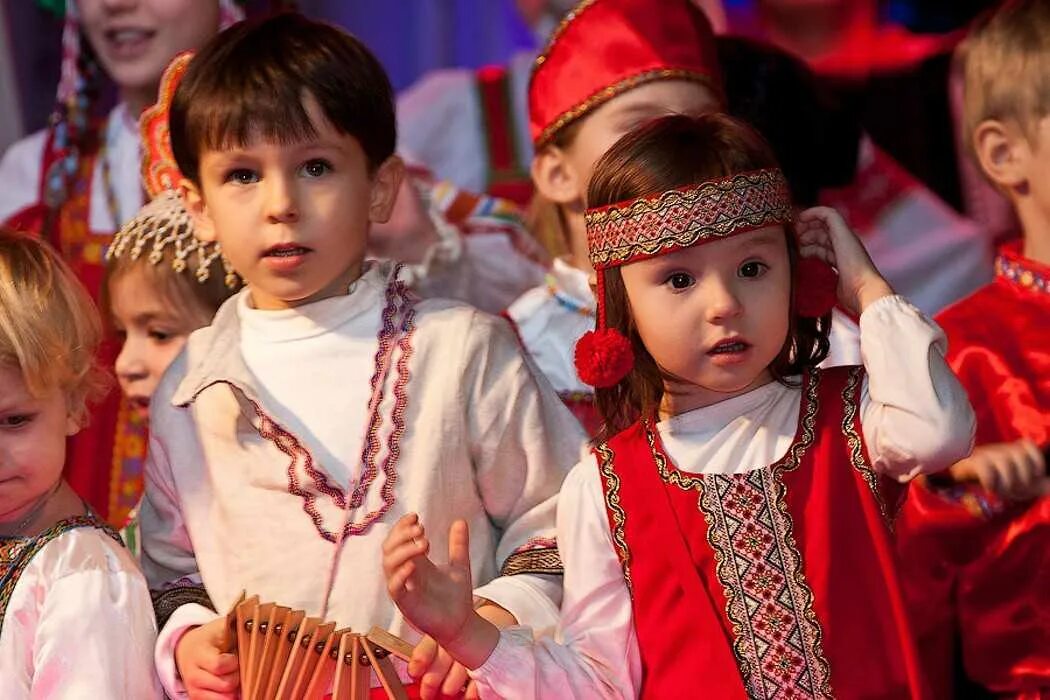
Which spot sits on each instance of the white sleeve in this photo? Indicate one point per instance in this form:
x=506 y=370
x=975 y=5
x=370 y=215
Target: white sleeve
x=180 y=599
x=595 y=653
x=20 y=174
x=95 y=638
x=915 y=414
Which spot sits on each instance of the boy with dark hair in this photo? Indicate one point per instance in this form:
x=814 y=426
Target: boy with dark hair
x=326 y=401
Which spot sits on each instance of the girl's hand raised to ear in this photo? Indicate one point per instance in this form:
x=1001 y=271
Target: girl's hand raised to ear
x=823 y=234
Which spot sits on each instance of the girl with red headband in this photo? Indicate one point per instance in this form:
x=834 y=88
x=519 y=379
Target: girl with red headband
x=730 y=533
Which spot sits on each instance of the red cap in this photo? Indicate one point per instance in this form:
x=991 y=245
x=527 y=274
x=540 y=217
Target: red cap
x=605 y=47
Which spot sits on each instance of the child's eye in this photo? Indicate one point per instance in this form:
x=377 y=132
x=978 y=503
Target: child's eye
x=160 y=336
x=316 y=167
x=242 y=176
x=752 y=268
x=680 y=280
x=16 y=420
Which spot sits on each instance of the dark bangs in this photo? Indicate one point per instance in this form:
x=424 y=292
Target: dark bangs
x=250 y=81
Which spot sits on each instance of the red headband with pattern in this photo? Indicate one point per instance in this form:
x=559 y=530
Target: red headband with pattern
x=642 y=228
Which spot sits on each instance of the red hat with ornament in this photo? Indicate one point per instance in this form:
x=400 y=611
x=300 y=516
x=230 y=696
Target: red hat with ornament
x=605 y=47
x=642 y=228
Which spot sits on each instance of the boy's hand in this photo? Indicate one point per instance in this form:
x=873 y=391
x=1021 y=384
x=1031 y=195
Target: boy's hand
x=1011 y=470
x=438 y=673
x=207 y=673
x=823 y=234
x=438 y=601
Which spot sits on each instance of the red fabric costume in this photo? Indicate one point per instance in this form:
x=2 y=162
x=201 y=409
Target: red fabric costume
x=778 y=582
x=977 y=568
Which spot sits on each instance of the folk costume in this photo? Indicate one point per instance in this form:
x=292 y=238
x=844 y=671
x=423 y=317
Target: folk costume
x=75 y=184
x=75 y=616
x=742 y=549
x=978 y=578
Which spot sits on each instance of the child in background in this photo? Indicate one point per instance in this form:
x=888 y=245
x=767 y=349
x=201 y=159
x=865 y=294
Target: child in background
x=162 y=283
x=722 y=536
x=76 y=182
x=324 y=401
x=579 y=105
x=976 y=555
x=75 y=614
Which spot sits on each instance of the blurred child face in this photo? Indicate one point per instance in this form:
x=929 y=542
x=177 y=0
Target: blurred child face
x=135 y=39
x=33 y=431
x=293 y=219
x=603 y=127
x=715 y=315
x=152 y=330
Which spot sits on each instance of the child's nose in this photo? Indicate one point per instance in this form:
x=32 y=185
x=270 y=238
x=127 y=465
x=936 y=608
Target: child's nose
x=129 y=365
x=721 y=301
x=281 y=204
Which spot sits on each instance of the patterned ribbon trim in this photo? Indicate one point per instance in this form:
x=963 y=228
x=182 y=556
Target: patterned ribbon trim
x=1018 y=273
x=537 y=556
x=167 y=601
x=641 y=228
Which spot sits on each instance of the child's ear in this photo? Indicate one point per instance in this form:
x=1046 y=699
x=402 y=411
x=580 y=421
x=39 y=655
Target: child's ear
x=203 y=228
x=1003 y=152
x=555 y=177
x=385 y=186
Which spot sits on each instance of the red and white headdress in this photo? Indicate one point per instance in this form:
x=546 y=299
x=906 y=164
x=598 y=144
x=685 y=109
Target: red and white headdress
x=605 y=47
x=642 y=228
x=164 y=222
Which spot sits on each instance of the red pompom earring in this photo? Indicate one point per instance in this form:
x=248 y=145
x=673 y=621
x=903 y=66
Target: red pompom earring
x=816 y=288
x=603 y=356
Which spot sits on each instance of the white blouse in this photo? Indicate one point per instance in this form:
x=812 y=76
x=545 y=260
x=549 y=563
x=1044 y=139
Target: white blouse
x=79 y=624
x=915 y=419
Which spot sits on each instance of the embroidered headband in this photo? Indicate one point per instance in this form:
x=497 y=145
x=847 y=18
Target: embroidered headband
x=164 y=221
x=648 y=226
x=645 y=227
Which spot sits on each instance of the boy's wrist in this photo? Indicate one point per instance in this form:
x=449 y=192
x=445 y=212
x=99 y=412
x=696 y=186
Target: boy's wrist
x=474 y=642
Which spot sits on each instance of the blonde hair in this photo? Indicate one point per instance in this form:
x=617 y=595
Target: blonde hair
x=49 y=327
x=1006 y=63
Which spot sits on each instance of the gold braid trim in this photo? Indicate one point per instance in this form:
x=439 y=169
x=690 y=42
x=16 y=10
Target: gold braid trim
x=611 y=486
x=641 y=228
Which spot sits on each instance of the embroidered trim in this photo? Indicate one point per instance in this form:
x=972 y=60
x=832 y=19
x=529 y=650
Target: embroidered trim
x=398 y=320
x=777 y=637
x=565 y=301
x=166 y=602
x=1017 y=272
x=856 y=450
x=539 y=555
x=641 y=228
x=17 y=552
x=611 y=91
x=611 y=488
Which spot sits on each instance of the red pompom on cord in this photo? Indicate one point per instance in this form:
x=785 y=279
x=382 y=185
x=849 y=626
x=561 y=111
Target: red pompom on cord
x=603 y=357
x=816 y=288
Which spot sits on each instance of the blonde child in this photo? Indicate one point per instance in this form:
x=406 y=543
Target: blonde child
x=976 y=553
x=75 y=614
x=728 y=538
x=325 y=400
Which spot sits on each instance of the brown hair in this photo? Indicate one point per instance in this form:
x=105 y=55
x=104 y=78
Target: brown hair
x=668 y=153
x=1005 y=59
x=250 y=81
x=49 y=327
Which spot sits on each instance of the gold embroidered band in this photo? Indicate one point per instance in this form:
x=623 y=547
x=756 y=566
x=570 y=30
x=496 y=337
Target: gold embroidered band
x=648 y=226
